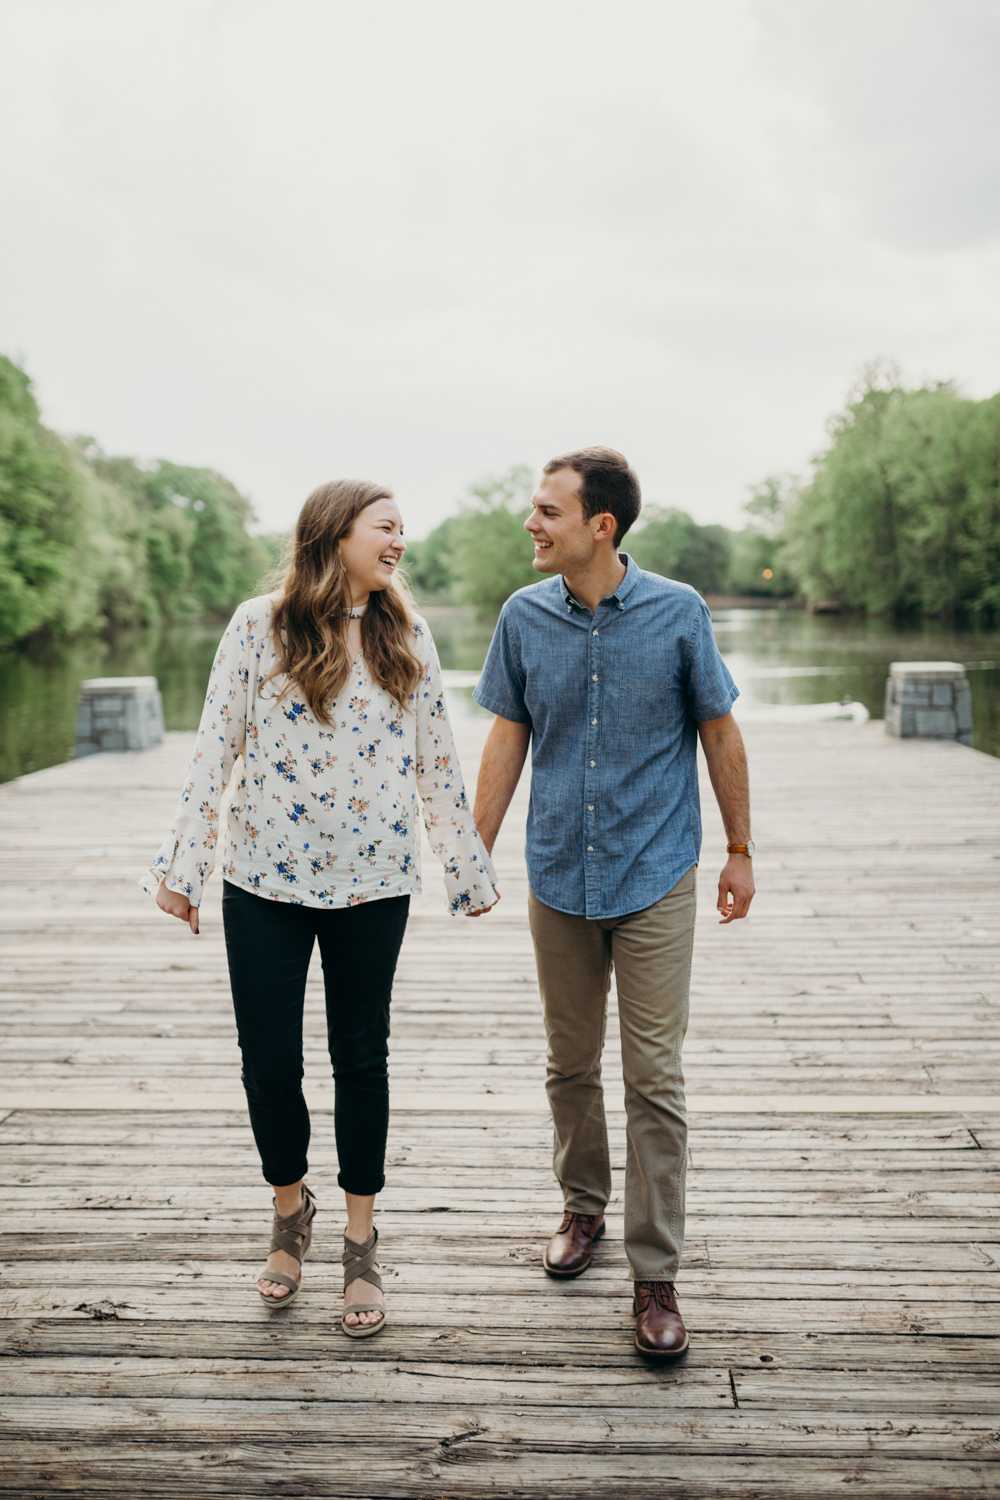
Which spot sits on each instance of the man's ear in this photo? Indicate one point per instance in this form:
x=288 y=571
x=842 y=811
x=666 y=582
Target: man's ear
x=603 y=526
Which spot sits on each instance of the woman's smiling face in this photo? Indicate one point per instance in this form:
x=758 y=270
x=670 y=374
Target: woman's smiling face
x=372 y=549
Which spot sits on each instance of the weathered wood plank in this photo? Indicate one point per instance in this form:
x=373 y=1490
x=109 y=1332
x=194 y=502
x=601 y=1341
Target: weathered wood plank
x=656 y=1428
x=442 y=1470
x=976 y=1284
x=468 y=1254
x=127 y=1302
x=911 y=1356
x=771 y=1385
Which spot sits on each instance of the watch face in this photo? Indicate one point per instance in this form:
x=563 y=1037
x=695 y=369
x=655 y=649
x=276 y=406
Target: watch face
x=751 y=847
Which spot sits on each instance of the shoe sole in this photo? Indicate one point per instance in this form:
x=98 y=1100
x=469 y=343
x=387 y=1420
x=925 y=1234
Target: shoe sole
x=276 y=1302
x=364 y=1330
x=577 y=1270
x=662 y=1353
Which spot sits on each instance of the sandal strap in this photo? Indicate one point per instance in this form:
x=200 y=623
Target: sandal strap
x=359 y=1262
x=282 y=1280
x=293 y=1234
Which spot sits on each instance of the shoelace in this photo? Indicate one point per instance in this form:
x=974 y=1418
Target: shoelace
x=659 y=1292
x=586 y=1220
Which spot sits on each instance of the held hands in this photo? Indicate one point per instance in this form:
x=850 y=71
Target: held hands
x=176 y=905
x=736 y=888
x=482 y=910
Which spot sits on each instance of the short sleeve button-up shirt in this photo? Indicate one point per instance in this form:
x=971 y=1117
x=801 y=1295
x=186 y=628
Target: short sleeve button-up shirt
x=614 y=700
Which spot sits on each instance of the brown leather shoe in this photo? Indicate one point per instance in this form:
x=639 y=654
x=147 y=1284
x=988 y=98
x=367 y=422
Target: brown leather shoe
x=571 y=1248
x=659 y=1327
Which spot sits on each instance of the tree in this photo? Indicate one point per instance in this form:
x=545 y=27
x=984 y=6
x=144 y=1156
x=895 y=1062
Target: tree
x=757 y=564
x=44 y=549
x=489 y=552
x=903 y=510
x=89 y=541
x=428 y=563
x=671 y=542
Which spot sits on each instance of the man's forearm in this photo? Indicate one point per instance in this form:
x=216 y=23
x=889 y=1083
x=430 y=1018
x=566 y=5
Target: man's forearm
x=499 y=772
x=727 y=768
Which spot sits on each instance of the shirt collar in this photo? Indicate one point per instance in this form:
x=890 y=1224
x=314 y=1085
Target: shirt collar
x=621 y=593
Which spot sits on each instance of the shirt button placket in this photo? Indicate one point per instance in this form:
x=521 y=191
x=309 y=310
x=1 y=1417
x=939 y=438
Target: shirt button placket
x=590 y=780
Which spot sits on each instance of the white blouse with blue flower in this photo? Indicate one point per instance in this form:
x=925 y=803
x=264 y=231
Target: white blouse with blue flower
x=322 y=815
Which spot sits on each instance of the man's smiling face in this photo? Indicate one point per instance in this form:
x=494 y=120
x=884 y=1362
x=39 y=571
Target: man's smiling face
x=564 y=541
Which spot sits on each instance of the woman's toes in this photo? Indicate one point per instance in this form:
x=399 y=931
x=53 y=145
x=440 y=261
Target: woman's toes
x=365 y=1319
x=273 y=1288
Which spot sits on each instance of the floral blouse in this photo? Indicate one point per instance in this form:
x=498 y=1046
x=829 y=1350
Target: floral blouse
x=321 y=815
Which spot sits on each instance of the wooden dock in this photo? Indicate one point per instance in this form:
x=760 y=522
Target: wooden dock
x=843 y=1259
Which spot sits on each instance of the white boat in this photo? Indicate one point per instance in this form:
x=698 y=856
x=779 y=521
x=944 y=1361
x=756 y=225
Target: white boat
x=800 y=713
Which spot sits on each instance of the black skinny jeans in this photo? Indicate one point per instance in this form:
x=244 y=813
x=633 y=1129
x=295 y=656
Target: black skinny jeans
x=269 y=944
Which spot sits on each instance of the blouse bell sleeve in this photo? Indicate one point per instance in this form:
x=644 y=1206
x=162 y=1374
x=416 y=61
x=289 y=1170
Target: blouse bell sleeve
x=187 y=855
x=468 y=870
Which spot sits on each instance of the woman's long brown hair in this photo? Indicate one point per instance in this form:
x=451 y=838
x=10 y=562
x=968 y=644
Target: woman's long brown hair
x=311 y=614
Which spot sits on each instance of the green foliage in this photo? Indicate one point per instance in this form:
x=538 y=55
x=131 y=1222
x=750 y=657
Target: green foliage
x=671 y=542
x=428 y=564
x=43 y=511
x=903 y=511
x=482 y=556
x=757 y=564
x=88 y=541
x=489 y=553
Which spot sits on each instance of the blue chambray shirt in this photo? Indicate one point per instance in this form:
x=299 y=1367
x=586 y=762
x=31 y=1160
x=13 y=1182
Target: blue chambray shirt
x=614 y=700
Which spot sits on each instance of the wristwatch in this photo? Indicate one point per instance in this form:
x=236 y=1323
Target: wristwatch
x=749 y=848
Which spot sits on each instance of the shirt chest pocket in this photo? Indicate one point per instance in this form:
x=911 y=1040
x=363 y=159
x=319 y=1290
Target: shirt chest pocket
x=642 y=704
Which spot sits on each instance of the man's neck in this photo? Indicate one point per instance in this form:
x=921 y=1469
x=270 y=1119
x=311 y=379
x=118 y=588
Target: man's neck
x=597 y=581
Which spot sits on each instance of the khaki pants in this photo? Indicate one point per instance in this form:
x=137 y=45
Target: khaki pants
x=651 y=954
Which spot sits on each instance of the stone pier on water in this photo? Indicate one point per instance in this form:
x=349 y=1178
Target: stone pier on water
x=928 y=700
x=118 y=713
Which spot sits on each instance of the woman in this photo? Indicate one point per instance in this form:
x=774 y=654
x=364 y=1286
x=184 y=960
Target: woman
x=327 y=698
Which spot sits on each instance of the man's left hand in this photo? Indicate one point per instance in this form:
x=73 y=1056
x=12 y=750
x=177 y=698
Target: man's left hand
x=735 y=888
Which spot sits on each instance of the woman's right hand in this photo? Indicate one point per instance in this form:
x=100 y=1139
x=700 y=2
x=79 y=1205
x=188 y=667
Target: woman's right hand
x=177 y=905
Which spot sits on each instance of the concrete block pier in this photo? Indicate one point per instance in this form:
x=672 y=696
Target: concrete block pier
x=118 y=713
x=928 y=700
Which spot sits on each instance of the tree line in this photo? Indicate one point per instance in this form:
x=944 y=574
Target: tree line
x=89 y=541
x=480 y=555
x=900 y=514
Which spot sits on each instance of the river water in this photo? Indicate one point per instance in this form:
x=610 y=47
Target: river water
x=780 y=658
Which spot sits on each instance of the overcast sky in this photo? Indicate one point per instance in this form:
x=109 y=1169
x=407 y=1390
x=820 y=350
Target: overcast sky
x=424 y=240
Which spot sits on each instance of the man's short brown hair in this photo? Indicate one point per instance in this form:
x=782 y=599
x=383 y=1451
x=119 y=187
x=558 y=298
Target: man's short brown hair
x=606 y=484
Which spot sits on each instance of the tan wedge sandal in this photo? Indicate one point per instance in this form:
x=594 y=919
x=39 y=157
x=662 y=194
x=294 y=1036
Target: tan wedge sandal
x=359 y=1265
x=294 y=1235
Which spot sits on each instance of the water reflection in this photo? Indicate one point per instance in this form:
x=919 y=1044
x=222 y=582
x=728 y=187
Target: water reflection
x=39 y=687
x=778 y=657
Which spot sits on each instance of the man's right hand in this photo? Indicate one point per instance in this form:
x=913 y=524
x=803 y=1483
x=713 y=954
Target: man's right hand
x=177 y=905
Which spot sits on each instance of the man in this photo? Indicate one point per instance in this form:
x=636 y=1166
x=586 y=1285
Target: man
x=612 y=675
